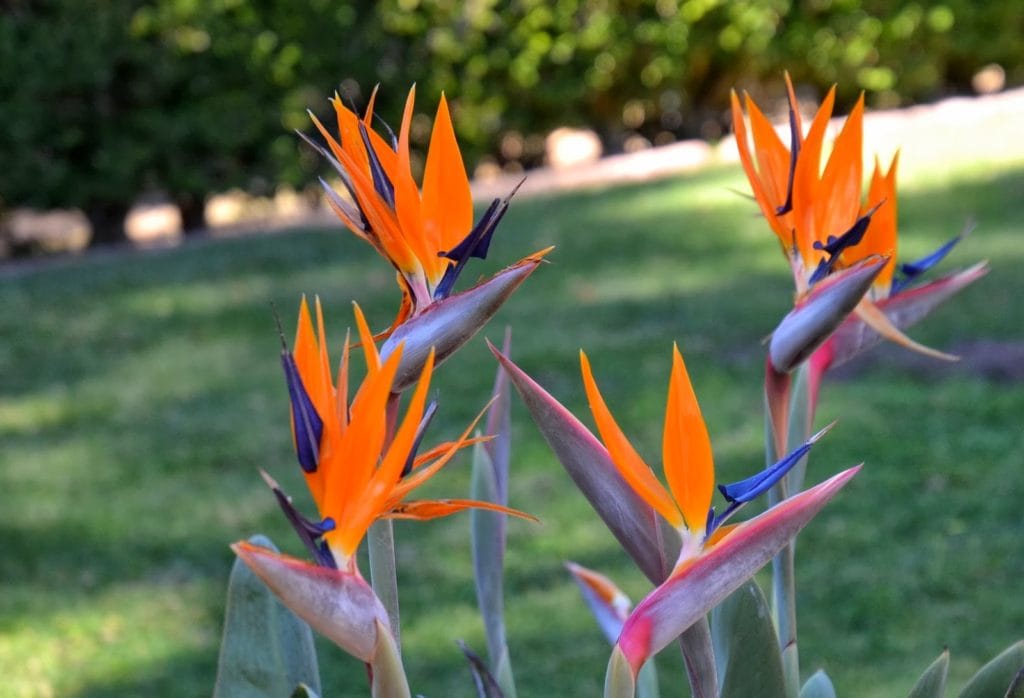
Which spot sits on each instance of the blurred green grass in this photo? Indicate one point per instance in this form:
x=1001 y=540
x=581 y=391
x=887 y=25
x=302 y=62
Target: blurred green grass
x=141 y=391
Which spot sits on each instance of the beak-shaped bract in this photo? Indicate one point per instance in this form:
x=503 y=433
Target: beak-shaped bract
x=337 y=604
x=703 y=582
x=820 y=312
x=447 y=324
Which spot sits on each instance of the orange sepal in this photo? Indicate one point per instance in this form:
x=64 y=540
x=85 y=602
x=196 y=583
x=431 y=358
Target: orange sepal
x=435 y=508
x=882 y=234
x=838 y=203
x=442 y=448
x=425 y=472
x=773 y=160
x=686 y=448
x=874 y=318
x=806 y=181
x=627 y=461
x=447 y=201
x=757 y=186
x=379 y=489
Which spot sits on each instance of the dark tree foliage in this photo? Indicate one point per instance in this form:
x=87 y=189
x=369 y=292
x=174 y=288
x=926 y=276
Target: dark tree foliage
x=103 y=102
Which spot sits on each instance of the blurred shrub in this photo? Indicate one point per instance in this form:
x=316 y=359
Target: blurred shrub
x=103 y=101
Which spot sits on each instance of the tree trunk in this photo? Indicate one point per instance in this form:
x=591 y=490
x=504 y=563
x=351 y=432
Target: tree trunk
x=107 y=222
x=193 y=213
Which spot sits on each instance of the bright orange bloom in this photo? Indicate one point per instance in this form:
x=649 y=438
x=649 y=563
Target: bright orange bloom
x=355 y=469
x=686 y=450
x=428 y=235
x=687 y=461
x=818 y=214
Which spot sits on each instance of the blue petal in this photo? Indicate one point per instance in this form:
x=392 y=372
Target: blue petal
x=909 y=271
x=381 y=183
x=420 y=431
x=309 y=532
x=794 y=151
x=744 y=491
x=752 y=487
x=475 y=244
x=391 y=133
x=306 y=423
x=836 y=245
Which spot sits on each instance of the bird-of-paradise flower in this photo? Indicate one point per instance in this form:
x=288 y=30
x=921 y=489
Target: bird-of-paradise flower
x=426 y=233
x=688 y=465
x=716 y=559
x=818 y=214
x=359 y=466
x=720 y=557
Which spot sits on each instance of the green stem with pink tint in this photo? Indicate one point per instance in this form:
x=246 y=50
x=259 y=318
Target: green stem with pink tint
x=783 y=565
x=380 y=542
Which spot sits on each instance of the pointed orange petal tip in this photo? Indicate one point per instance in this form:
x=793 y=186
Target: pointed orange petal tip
x=337 y=604
x=694 y=589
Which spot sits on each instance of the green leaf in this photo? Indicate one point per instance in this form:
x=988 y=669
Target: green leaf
x=389 y=679
x=266 y=650
x=746 y=647
x=818 y=686
x=503 y=673
x=488 y=544
x=619 y=681
x=995 y=678
x=932 y=683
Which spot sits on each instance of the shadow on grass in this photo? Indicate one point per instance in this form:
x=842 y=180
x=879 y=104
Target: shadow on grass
x=147 y=392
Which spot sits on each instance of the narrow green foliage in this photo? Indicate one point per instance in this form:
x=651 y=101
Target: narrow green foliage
x=932 y=683
x=818 y=686
x=388 y=674
x=266 y=650
x=304 y=691
x=619 y=681
x=503 y=674
x=488 y=553
x=746 y=646
x=489 y=483
x=995 y=678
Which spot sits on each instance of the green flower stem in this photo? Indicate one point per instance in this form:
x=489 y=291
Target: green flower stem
x=783 y=565
x=381 y=544
x=784 y=604
x=699 y=657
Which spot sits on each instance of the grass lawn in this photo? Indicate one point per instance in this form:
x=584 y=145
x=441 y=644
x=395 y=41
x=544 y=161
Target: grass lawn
x=140 y=392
